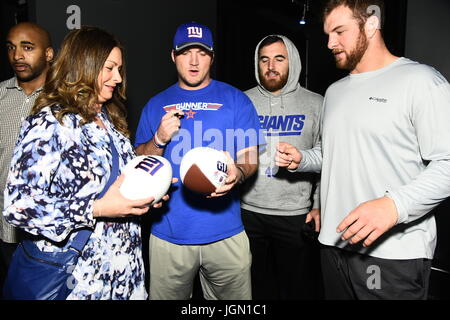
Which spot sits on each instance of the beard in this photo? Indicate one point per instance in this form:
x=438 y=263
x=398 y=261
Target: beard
x=355 y=56
x=32 y=73
x=273 y=85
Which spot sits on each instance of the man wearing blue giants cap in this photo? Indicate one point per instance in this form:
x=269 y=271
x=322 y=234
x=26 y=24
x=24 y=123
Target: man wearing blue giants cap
x=197 y=233
x=193 y=34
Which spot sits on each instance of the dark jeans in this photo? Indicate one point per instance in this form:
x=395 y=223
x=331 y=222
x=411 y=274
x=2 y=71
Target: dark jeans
x=6 y=252
x=349 y=275
x=284 y=264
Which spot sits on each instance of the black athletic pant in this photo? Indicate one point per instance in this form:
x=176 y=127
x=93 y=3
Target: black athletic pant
x=349 y=275
x=284 y=265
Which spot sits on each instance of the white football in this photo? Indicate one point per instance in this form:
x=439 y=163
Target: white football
x=146 y=176
x=203 y=169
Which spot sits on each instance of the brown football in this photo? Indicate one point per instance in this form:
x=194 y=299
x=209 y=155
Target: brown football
x=203 y=170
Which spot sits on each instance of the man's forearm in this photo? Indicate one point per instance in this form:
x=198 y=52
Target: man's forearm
x=311 y=160
x=247 y=162
x=150 y=148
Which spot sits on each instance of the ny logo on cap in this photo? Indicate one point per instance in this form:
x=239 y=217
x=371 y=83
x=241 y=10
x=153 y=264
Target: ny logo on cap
x=195 y=32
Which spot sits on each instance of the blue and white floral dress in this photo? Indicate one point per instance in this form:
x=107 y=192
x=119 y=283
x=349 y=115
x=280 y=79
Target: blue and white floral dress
x=57 y=171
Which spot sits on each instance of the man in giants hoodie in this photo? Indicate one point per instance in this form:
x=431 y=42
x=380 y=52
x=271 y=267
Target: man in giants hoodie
x=276 y=205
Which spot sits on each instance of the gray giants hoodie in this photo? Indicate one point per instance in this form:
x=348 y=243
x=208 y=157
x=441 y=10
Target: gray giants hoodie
x=293 y=117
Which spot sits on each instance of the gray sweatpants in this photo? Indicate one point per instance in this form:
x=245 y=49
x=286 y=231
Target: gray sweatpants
x=224 y=268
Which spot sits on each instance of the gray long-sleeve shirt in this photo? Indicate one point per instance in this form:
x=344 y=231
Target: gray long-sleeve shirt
x=385 y=132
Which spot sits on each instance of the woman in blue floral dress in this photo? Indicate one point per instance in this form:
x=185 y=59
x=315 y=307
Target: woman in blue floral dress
x=63 y=160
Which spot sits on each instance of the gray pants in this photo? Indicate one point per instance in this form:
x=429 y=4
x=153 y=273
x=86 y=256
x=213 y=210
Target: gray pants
x=224 y=268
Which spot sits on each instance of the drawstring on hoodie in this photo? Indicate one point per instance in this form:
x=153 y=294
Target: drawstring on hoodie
x=290 y=87
x=282 y=120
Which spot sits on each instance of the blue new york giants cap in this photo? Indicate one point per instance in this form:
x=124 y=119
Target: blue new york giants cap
x=193 y=34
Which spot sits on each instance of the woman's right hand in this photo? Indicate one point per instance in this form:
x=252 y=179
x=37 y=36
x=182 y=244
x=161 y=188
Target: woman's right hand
x=114 y=205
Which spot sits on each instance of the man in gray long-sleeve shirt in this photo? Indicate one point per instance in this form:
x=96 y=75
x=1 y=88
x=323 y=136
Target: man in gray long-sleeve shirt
x=385 y=161
x=29 y=53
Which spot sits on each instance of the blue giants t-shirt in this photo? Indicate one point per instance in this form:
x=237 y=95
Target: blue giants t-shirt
x=218 y=116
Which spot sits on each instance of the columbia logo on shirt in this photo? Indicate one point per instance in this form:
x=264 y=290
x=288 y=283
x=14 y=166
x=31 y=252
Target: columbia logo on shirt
x=380 y=100
x=291 y=125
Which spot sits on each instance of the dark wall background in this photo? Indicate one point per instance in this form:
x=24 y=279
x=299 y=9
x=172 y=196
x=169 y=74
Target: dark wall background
x=427 y=41
x=427 y=37
x=145 y=28
x=242 y=24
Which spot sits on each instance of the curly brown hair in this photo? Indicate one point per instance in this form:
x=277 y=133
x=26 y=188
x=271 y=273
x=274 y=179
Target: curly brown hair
x=71 y=81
